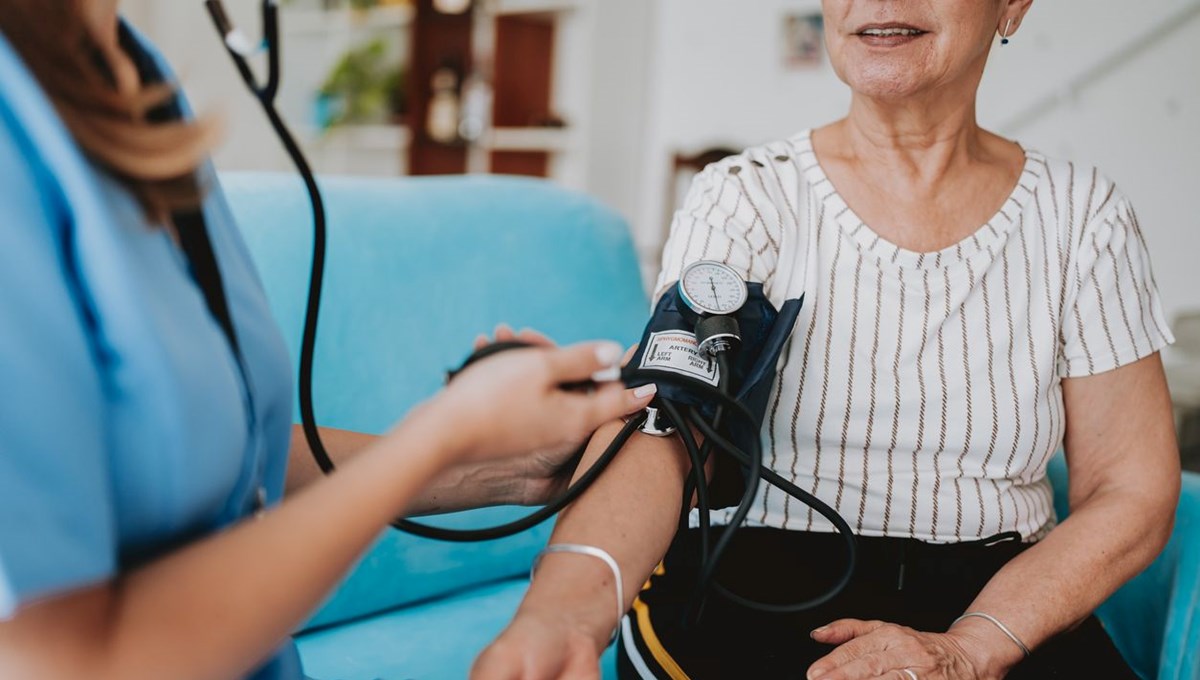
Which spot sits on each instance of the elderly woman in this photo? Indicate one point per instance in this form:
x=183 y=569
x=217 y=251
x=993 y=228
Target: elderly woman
x=971 y=306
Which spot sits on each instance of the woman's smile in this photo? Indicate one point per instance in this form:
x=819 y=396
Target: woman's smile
x=889 y=34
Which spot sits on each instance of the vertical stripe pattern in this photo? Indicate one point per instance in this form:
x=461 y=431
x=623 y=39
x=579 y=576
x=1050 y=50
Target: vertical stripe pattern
x=921 y=393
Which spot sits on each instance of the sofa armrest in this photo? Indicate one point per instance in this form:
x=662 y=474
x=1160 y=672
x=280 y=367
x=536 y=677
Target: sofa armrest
x=1155 y=618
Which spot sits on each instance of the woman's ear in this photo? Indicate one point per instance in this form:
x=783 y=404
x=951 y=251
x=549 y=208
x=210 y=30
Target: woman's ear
x=1013 y=11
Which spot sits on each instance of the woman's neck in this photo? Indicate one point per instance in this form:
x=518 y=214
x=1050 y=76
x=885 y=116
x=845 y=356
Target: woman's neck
x=926 y=137
x=922 y=173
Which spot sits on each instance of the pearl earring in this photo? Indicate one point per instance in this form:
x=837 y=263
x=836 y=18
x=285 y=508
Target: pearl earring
x=1007 y=32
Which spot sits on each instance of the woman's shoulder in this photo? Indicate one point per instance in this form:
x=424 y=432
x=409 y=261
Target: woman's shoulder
x=1072 y=194
x=769 y=172
x=762 y=156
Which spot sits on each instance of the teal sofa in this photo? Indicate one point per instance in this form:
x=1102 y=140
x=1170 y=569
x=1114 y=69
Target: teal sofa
x=417 y=268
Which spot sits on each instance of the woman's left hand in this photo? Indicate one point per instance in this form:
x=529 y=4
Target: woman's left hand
x=875 y=650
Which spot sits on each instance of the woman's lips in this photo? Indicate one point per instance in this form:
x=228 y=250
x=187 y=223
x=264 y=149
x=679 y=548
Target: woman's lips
x=889 y=35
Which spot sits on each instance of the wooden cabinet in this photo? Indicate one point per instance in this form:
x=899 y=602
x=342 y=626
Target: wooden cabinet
x=523 y=67
x=516 y=49
x=439 y=41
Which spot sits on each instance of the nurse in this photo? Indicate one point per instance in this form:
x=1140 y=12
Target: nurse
x=150 y=526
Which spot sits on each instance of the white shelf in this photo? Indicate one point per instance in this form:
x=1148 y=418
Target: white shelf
x=369 y=137
x=503 y=7
x=554 y=140
x=365 y=150
x=325 y=22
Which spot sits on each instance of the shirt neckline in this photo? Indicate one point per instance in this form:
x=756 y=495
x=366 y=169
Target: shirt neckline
x=985 y=240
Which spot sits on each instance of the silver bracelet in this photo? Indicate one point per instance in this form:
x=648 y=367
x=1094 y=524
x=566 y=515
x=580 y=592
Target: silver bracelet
x=996 y=622
x=590 y=551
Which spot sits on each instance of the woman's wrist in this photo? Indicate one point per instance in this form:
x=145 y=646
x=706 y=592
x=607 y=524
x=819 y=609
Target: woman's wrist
x=580 y=598
x=595 y=626
x=989 y=651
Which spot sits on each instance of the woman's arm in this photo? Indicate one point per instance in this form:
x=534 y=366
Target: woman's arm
x=633 y=509
x=218 y=607
x=1124 y=487
x=568 y=615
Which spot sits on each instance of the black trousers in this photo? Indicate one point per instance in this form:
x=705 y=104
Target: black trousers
x=901 y=581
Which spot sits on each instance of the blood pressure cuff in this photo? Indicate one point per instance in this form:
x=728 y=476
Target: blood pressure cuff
x=669 y=345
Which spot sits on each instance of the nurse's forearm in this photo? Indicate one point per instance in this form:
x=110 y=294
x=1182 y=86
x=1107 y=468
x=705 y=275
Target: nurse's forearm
x=219 y=607
x=461 y=487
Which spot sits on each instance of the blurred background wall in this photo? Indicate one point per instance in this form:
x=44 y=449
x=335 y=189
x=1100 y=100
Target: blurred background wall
x=617 y=98
x=1108 y=82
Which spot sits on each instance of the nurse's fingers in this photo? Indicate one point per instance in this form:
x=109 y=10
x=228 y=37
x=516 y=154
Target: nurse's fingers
x=534 y=338
x=609 y=403
x=583 y=361
x=505 y=333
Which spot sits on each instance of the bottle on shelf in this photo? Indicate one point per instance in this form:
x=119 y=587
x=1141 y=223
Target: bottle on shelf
x=442 y=121
x=476 y=106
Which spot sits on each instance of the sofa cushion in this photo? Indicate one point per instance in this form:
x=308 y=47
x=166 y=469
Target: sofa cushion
x=401 y=569
x=434 y=641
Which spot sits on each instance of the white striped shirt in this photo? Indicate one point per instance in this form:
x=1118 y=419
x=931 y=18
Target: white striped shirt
x=921 y=393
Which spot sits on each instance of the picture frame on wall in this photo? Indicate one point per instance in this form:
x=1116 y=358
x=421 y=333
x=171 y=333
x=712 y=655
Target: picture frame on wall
x=803 y=40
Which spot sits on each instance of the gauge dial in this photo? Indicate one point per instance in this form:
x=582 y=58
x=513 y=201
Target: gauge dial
x=712 y=288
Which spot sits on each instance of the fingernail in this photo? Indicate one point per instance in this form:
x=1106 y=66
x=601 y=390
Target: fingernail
x=607 y=374
x=645 y=391
x=819 y=631
x=608 y=353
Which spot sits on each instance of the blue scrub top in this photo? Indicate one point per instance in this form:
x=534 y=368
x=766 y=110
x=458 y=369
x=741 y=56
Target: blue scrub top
x=126 y=427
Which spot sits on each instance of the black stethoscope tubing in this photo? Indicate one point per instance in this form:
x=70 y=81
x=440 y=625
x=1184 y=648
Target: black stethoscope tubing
x=266 y=94
x=752 y=461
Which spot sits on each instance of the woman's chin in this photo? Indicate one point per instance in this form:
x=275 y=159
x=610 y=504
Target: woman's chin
x=887 y=88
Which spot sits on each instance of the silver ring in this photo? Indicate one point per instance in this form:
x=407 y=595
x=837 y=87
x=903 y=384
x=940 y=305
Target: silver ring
x=910 y=673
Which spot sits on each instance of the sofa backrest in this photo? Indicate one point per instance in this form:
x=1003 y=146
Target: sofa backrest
x=416 y=269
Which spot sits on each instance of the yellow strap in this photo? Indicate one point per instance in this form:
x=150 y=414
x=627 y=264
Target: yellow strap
x=649 y=637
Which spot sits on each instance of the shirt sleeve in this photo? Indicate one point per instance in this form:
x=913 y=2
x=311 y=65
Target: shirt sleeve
x=1114 y=316
x=723 y=220
x=56 y=506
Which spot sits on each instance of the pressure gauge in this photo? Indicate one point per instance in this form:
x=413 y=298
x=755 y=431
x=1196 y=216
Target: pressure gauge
x=712 y=288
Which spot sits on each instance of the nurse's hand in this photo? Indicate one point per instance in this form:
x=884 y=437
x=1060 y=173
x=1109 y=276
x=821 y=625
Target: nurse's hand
x=513 y=403
x=543 y=475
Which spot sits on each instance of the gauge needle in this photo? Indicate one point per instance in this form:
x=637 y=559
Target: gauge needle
x=716 y=300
